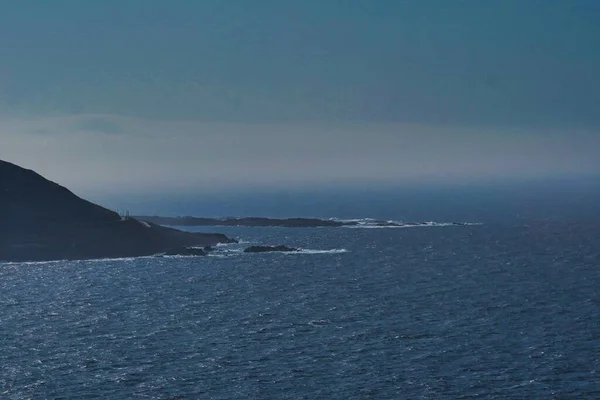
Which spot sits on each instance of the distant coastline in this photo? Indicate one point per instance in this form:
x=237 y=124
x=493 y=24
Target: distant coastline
x=288 y=222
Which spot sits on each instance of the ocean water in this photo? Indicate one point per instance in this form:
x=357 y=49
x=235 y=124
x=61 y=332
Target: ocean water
x=507 y=309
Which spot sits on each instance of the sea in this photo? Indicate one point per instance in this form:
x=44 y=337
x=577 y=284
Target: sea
x=506 y=307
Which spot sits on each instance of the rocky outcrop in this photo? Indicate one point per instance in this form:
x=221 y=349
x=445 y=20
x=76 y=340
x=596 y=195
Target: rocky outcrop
x=185 y=251
x=266 y=249
x=41 y=220
x=246 y=221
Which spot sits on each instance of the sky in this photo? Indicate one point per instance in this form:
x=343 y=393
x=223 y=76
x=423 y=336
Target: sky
x=186 y=95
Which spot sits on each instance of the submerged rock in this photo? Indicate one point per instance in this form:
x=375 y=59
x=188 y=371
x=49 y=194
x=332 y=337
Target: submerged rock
x=265 y=249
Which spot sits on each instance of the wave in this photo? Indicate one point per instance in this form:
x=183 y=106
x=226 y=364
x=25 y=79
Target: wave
x=87 y=260
x=221 y=253
x=225 y=252
x=25 y=263
x=330 y=251
x=372 y=223
x=232 y=252
x=239 y=241
x=314 y=251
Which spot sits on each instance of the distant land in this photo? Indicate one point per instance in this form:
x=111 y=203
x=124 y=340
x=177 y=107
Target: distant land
x=41 y=221
x=283 y=222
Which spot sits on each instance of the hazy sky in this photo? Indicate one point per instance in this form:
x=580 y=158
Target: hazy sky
x=206 y=93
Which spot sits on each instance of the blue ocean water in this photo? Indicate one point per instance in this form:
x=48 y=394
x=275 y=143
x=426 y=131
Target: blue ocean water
x=506 y=309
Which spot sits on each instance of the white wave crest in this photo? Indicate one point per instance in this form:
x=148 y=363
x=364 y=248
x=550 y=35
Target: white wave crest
x=401 y=225
x=239 y=241
x=354 y=220
x=314 y=251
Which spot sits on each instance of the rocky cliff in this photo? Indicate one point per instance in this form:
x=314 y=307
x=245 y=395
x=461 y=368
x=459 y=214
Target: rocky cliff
x=41 y=220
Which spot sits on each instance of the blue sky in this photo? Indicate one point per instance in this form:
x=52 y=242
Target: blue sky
x=500 y=84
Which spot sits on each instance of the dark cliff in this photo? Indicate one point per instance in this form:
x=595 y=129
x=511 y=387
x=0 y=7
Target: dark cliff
x=41 y=220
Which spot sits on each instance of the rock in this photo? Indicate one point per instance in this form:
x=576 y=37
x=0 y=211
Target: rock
x=265 y=249
x=185 y=251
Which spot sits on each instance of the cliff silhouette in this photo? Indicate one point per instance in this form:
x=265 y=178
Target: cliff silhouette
x=41 y=220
